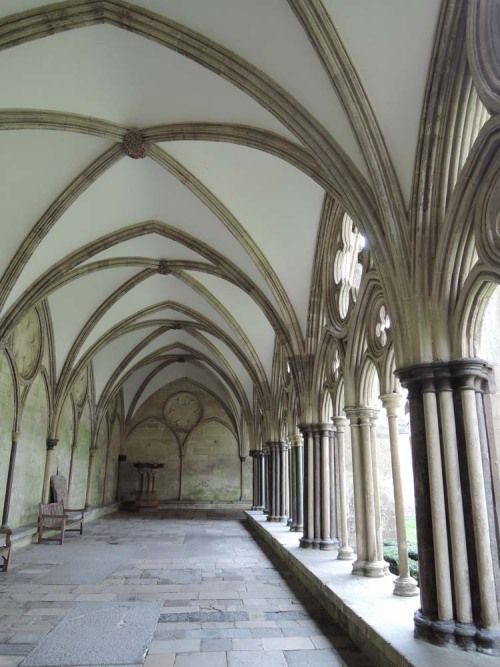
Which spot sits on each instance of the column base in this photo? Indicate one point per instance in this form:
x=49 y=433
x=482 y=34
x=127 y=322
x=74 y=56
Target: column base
x=405 y=587
x=316 y=543
x=345 y=553
x=306 y=543
x=283 y=519
x=358 y=567
x=289 y=522
x=327 y=545
x=375 y=568
x=257 y=508
x=465 y=636
x=297 y=528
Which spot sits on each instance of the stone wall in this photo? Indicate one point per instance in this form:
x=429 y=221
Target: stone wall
x=184 y=420
x=27 y=396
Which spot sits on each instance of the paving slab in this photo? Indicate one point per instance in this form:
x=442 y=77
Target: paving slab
x=218 y=597
x=98 y=633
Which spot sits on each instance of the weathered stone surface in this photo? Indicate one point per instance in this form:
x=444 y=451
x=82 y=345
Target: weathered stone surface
x=96 y=633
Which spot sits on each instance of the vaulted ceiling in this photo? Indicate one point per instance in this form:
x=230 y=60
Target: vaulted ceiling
x=164 y=169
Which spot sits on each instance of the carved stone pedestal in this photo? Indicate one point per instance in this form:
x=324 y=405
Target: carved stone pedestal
x=147 y=498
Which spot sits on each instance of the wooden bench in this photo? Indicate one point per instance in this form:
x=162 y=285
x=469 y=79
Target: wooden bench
x=59 y=489
x=5 y=550
x=54 y=517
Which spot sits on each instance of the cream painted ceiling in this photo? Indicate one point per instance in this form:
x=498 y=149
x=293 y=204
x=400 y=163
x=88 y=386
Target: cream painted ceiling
x=232 y=207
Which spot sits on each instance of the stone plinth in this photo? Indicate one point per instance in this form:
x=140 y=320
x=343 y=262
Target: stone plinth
x=147 y=498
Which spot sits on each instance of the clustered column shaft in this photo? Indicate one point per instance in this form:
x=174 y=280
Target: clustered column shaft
x=278 y=481
x=456 y=472
x=317 y=497
x=258 y=460
x=404 y=584
x=345 y=551
x=369 y=561
x=297 y=486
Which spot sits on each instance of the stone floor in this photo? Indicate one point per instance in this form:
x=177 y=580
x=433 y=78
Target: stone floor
x=182 y=588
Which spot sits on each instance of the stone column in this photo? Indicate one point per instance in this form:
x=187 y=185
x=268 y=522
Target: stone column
x=326 y=432
x=255 y=479
x=466 y=381
x=51 y=445
x=71 y=462
x=181 y=474
x=297 y=457
x=271 y=485
x=262 y=463
x=373 y=566
x=121 y=459
x=90 y=474
x=334 y=490
x=376 y=491
x=298 y=451
x=242 y=463
x=292 y=485
x=10 y=479
x=283 y=489
x=455 y=470
x=404 y=584
x=345 y=551
x=368 y=561
x=317 y=486
x=357 y=474
x=274 y=482
x=307 y=540
x=267 y=480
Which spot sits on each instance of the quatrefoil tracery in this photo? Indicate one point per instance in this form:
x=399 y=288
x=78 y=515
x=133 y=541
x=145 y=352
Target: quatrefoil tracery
x=347 y=269
x=383 y=324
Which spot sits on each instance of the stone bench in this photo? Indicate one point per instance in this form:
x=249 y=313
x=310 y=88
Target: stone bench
x=5 y=550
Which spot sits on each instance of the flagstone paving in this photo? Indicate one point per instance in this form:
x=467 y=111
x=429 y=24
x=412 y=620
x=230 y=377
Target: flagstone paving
x=216 y=599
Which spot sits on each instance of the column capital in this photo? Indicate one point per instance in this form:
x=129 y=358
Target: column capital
x=420 y=375
x=52 y=443
x=15 y=436
x=340 y=423
x=305 y=429
x=360 y=412
x=391 y=403
x=296 y=441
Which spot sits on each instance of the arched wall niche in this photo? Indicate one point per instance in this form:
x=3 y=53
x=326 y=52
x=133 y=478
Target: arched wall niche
x=212 y=465
x=185 y=428
x=31 y=454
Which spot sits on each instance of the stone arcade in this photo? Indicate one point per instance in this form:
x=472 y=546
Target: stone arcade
x=241 y=240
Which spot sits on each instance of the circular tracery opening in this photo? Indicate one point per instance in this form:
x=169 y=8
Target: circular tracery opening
x=383 y=324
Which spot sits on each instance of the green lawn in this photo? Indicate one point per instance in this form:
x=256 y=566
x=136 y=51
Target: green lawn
x=411 y=528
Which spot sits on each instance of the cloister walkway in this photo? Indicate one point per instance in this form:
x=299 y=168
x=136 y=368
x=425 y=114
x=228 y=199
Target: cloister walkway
x=179 y=588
